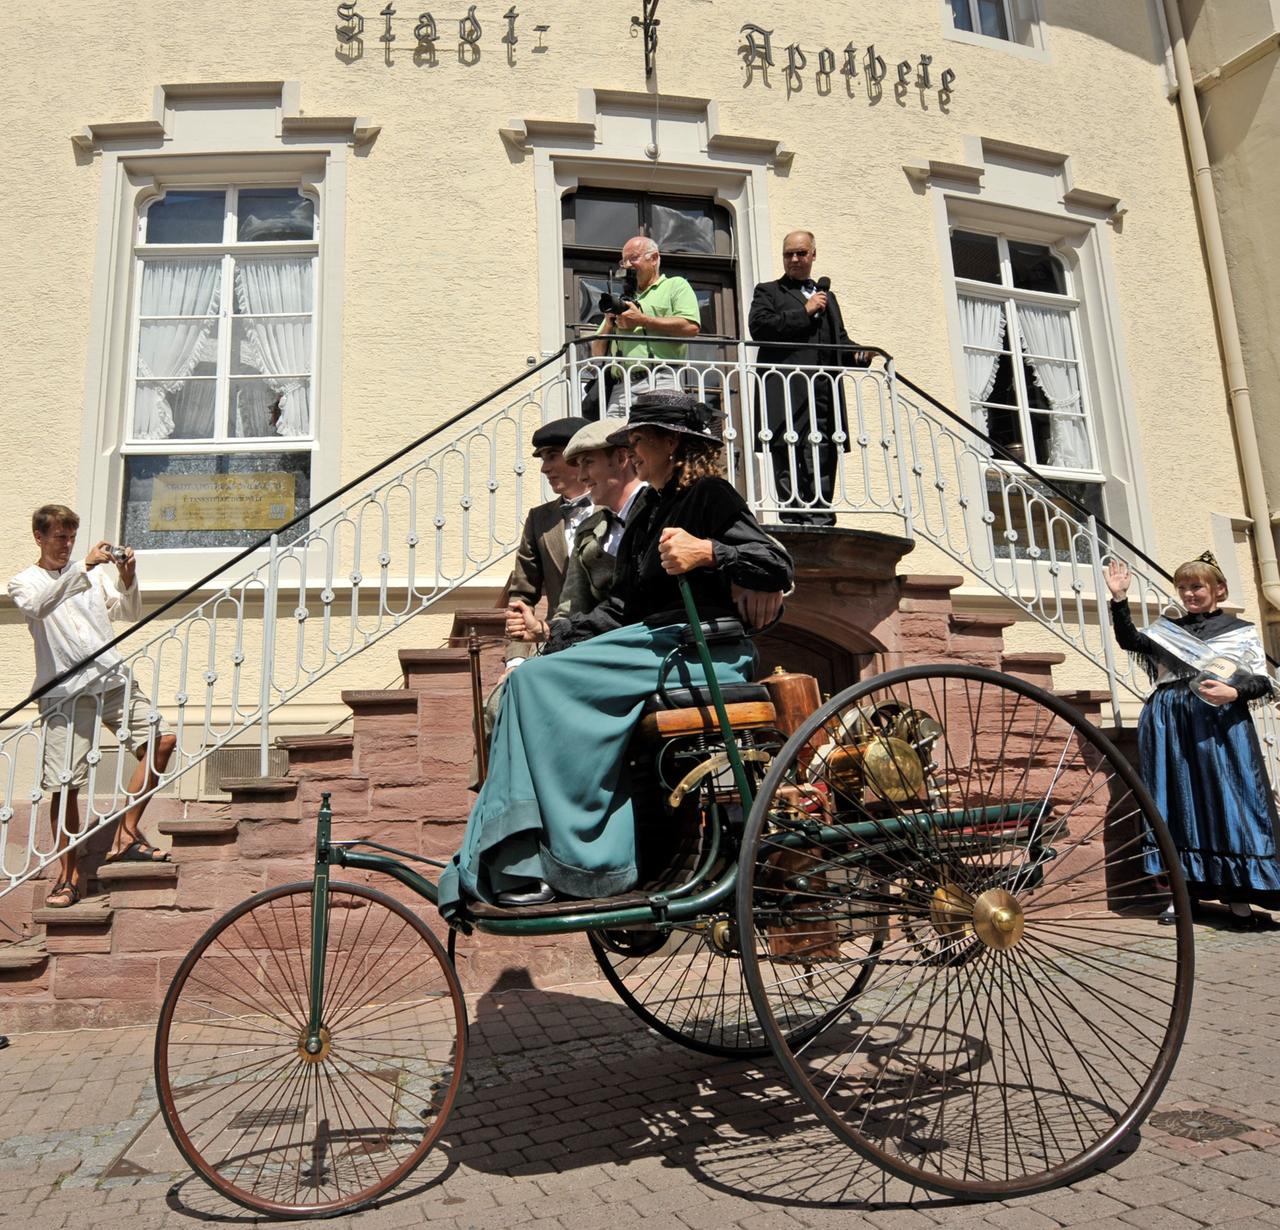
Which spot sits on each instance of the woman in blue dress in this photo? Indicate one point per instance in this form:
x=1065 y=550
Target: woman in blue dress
x=554 y=816
x=1202 y=761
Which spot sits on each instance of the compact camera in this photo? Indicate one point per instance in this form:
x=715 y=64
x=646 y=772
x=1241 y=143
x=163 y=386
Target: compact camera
x=611 y=304
x=119 y=555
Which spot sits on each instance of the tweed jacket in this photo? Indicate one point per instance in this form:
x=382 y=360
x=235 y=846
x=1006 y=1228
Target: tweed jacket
x=541 y=557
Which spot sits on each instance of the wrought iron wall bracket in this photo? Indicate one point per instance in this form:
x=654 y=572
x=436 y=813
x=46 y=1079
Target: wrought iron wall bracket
x=648 y=25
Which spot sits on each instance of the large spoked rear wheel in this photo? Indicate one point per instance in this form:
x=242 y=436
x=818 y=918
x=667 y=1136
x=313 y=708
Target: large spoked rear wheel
x=1027 y=1006
x=277 y=1129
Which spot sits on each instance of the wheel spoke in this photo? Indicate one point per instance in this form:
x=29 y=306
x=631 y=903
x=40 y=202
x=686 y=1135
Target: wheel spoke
x=264 y=1116
x=1020 y=1009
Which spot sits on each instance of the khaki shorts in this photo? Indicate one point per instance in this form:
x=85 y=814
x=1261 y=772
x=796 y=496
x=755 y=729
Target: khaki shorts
x=69 y=725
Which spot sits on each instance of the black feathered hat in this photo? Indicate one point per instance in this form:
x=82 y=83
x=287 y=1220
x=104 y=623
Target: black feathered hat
x=671 y=410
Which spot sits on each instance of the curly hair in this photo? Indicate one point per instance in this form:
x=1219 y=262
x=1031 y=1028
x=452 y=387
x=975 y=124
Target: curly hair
x=697 y=459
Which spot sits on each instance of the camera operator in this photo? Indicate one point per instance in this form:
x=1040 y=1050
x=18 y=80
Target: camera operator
x=662 y=306
x=69 y=608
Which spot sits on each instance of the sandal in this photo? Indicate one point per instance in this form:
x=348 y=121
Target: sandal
x=63 y=888
x=137 y=851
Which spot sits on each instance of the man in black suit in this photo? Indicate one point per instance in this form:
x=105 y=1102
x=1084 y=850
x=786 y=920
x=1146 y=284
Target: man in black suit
x=545 y=546
x=549 y=528
x=800 y=326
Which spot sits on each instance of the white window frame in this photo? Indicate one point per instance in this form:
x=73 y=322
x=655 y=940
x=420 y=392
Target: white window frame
x=975 y=18
x=228 y=250
x=1010 y=297
x=1024 y=20
x=206 y=134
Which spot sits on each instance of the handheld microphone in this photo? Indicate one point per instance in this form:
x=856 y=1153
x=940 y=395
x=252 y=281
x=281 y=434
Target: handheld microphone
x=823 y=284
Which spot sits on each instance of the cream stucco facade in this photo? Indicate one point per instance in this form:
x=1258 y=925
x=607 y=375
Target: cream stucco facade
x=1234 y=54
x=439 y=179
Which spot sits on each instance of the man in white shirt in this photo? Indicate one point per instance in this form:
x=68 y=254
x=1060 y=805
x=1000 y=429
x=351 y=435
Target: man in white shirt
x=69 y=608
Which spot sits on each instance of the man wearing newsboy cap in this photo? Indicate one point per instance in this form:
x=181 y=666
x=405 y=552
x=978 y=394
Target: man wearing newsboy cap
x=550 y=528
x=609 y=473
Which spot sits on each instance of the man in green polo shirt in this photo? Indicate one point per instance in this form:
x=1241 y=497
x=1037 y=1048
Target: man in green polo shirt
x=665 y=308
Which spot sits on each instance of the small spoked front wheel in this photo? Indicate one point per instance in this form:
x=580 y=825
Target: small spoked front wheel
x=1026 y=1005
x=293 y=1130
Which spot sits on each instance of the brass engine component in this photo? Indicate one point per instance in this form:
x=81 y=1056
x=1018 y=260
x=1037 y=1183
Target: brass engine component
x=713 y=764
x=886 y=767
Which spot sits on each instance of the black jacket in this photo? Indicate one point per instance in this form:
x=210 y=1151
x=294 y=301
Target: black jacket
x=642 y=592
x=791 y=337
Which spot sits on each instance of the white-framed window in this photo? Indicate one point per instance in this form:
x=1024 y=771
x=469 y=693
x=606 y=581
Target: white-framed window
x=220 y=424
x=989 y=17
x=1016 y=25
x=1025 y=362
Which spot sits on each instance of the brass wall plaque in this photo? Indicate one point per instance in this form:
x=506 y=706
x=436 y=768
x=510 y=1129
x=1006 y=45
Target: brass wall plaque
x=222 y=501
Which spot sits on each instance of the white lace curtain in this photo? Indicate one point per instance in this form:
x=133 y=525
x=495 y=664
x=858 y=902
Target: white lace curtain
x=276 y=347
x=170 y=350
x=1046 y=335
x=982 y=322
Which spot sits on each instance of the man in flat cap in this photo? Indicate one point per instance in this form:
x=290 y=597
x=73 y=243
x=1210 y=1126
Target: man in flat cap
x=609 y=473
x=545 y=545
x=550 y=528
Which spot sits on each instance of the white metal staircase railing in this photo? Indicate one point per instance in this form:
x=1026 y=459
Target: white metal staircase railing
x=442 y=511
x=352 y=572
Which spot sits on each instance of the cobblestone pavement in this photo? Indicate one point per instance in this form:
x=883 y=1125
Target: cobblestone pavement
x=576 y=1117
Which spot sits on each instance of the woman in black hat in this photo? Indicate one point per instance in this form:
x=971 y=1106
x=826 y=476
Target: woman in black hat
x=554 y=815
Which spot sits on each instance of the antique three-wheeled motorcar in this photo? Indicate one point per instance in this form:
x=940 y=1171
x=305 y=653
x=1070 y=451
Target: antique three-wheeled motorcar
x=933 y=900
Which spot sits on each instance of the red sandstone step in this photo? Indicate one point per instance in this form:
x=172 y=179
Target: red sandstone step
x=77 y=929
x=310 y=754
x=26 y=954
x=259 y=785
x=314 y=743
x=126 y=873
x=1083 y=696
x=89 y=911
x=1021 y=661
x=430 y=668
x=485 y=619
x=388 y=700
x=219 y=826
x=140 y=886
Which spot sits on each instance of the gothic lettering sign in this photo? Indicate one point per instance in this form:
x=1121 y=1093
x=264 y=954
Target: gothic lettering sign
x=425 y=36
x=862 y=68
x=221 y=501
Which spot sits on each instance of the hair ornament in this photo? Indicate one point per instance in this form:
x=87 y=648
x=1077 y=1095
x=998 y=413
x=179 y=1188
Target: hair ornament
x=1208 y=557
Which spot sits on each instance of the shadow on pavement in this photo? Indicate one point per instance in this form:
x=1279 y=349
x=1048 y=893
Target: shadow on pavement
x=610 y=1090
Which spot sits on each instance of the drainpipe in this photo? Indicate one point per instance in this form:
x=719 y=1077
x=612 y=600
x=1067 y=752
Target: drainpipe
x=1225 y=309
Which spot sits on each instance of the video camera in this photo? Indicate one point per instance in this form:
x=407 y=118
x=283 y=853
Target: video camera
x=611 y=304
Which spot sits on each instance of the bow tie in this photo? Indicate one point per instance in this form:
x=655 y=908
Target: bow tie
x=809 y=284
x=571 y=508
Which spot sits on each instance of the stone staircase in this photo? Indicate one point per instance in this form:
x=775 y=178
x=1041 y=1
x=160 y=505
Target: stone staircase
x=401 y=777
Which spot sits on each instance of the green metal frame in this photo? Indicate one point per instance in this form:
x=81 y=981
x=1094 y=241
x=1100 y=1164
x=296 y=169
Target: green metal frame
x=681 y=903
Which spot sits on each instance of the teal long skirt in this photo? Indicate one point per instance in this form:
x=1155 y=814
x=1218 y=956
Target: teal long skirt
x=556 y=805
